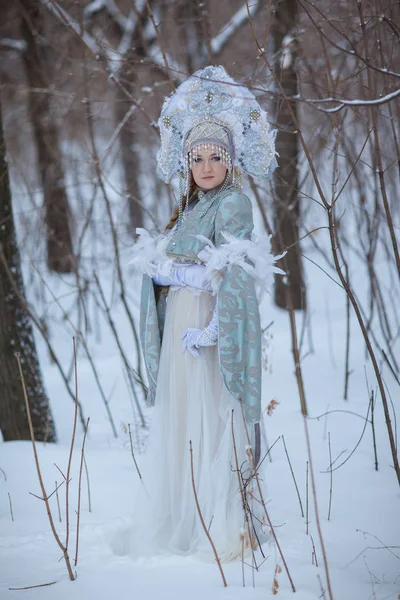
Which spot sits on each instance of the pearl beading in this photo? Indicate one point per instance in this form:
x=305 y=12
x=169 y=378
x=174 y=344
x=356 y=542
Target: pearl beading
x=206 y=338
x=217 y=149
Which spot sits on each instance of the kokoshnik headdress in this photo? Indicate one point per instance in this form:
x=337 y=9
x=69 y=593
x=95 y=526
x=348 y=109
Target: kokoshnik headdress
x=211 y=111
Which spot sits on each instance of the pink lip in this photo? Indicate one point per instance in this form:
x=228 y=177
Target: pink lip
x=209 y=177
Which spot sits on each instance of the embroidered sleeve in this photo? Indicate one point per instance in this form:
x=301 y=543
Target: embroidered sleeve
x=236 y=244
x=235 y=217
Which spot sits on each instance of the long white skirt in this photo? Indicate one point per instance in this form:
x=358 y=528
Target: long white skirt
x=192 y=405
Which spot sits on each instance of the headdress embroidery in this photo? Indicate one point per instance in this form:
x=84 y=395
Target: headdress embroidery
x=210 y=98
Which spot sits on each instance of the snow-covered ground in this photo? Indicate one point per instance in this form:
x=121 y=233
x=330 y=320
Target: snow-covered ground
x=359 y=537
x=364 y=527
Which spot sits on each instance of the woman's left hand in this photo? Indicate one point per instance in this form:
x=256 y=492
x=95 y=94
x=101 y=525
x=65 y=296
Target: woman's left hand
x=193 y=338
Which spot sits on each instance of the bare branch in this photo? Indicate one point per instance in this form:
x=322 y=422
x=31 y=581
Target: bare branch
x=352 y=52
x=164 y=55
x=97 y=51
x=30 y=587
x=39 y=473
x=110 y=6
x=344 y=103
x=217 y=559
x=67 y=20
x=230 y=28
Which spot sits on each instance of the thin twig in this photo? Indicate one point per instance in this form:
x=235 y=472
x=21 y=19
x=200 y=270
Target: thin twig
x=129 y=369
x=58 y=468
x=58 y=504
x=347 y=351
x=390 y=366
x=48 y=509
x=294 y=478
x=366 y=421
x=331 y=476
x=296 y=357
x=11 y=508
x=114 y=236
x=55 y=491
x=160 y=45
x=381 y=173
x=88 y=484
x=78 y=517
x=242 y=495
x=88 y=354
x=202 y=520
x=314 y=551
x=133 y=454
x=314 y=491
x=71 y=449
x=31 y=587
x=307 y=498
x=373 y=428
x=322 y=596
x=263 y=502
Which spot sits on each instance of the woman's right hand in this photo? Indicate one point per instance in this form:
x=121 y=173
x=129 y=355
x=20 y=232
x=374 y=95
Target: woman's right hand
x=185 y=275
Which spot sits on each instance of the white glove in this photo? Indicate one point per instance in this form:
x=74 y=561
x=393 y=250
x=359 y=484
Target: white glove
x=193 y=338
x=185 y=275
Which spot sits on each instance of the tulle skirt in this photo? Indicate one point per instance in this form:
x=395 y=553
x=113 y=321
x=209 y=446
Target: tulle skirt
x=192 y=408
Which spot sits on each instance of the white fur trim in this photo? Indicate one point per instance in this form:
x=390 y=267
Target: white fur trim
x=238 y=251
x=149 y=254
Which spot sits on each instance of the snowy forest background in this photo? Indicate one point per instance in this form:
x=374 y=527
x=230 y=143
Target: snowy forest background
x=82 y=84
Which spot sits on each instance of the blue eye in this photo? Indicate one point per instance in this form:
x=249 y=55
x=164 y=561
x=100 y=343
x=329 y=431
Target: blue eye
x=216 y=158
x=197 y=159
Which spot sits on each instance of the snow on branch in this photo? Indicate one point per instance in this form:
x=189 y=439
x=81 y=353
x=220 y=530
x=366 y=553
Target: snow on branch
x=344 y=103
x=127 y=36
x=127 y=26
x=116 y=14
x=64 y=18
x=93 y=9
x=229 y=29
x=177 y=71
x=18 y=45
x=96 y=48
x=110 y=6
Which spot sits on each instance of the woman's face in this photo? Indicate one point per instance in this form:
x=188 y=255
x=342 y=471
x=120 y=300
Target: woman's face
x=208 y=170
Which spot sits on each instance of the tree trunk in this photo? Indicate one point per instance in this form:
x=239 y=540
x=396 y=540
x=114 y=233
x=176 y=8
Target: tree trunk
x=129 y=153
x=57 y=213
x=127 y=136
x=290 y=291
x=16 y=335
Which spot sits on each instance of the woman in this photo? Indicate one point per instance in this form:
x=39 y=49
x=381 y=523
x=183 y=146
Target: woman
x=200 y=324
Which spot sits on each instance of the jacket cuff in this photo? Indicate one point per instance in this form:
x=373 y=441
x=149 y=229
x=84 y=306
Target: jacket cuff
x=253 y=255
x=149 y=254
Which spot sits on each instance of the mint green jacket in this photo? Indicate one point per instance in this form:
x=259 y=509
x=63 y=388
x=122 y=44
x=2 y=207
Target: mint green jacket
x=239 y=337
